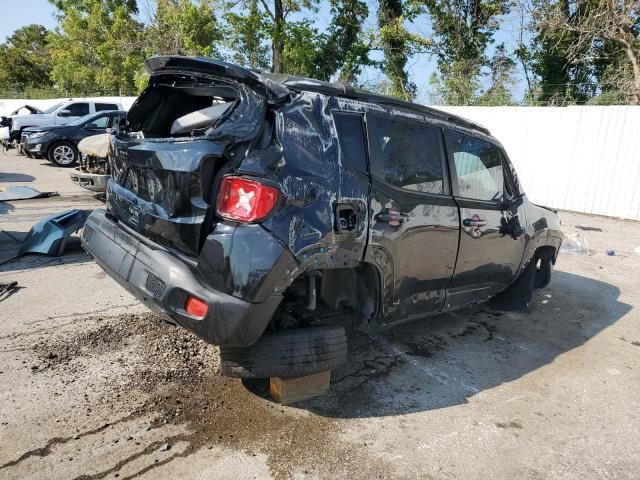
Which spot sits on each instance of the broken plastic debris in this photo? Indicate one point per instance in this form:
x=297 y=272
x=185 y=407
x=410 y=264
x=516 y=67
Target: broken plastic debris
x=50 y=236
x=23 y=193
x=611 y=253
x=96 y=145
x=575 y=244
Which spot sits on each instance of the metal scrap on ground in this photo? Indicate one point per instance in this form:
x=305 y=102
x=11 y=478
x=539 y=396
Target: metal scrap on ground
x=23 y=193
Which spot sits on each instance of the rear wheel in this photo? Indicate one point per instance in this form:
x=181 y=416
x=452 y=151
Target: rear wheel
x=288 y=353
x=63 y=154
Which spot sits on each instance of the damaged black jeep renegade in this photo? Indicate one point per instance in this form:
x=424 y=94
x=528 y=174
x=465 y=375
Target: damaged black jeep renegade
x=267 y=214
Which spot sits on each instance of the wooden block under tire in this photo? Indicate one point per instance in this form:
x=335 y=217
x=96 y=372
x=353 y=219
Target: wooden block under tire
x=295 y=389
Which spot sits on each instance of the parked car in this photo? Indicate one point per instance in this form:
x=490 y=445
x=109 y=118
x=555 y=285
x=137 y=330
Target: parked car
x=59 y=114
x=59 y=143
x=5 y=122
x=268 y=213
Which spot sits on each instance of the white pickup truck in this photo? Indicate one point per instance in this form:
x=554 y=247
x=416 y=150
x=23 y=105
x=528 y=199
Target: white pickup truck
x=59 y=114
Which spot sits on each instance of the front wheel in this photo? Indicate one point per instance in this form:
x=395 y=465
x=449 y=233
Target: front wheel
x=63 y=154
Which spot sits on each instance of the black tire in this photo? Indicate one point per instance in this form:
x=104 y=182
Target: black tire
x=63 y=154
x=289 y=353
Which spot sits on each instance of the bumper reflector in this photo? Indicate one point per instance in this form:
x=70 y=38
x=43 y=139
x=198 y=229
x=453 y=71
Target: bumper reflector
x=196 y=307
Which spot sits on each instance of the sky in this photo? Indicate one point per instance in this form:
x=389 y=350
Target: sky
x=18 y=13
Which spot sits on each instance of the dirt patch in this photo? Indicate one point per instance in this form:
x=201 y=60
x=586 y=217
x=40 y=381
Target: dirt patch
x=178 y=373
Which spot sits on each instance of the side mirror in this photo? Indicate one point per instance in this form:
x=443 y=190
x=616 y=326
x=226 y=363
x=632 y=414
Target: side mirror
x=64 y=113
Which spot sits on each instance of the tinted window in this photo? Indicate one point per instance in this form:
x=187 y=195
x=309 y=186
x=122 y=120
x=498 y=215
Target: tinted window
x=77 y=109
x=410 y=153
x=351 y=138
x=114 y=119
x=100 y=107
x=102 y=122
x=478 y=166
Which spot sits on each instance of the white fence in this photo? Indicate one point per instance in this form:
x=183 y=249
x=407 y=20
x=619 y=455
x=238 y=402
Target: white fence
x=585 y=159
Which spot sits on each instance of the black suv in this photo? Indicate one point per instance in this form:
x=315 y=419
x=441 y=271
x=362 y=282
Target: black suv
x=59 y=143
x=268 y=213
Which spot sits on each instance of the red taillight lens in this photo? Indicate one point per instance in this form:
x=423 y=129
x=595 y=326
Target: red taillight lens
x=196 y=307
x=245 y=200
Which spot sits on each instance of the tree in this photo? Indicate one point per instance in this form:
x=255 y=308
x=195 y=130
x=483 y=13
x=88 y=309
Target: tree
x=590 y=22
x=97 y=45
x=245 y=37
x=182 y=27
x=462 y=30
x=306 y=52
x=25 y=60
x=277 y=16
x=561 y=81
x=301 y=43
x=396 y=46
x=343 y=49
x=501 y=72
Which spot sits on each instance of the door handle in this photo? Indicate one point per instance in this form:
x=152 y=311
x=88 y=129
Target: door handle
x=475 y=221
x=392 y=217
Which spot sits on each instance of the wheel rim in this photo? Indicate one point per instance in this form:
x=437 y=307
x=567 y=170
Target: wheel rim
x=63 y=154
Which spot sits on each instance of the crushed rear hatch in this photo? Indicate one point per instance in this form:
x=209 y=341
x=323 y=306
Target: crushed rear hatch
x=195 y=116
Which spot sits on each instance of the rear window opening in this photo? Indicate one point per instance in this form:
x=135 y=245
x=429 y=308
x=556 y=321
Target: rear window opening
x=178 y=107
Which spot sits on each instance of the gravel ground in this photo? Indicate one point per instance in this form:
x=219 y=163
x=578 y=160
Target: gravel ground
x=94 y=386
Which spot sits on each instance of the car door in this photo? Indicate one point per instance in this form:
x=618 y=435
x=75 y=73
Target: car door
x=491 y=238
x=413 y=237
x=72 y=112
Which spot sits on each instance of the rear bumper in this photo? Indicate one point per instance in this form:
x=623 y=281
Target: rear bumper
x=163 y=282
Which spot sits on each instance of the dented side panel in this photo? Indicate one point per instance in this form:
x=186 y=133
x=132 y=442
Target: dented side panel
x=316 y=186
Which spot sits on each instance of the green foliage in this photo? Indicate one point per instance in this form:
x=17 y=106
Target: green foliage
x=182 y=27
x=245 y=37
x=344 y=48
x=301 y=44
x=499 y=92
x=96 y=46
x=24 y=59
x=462 y=31
x=569 y=54
x=561 y=81
x=397 y=45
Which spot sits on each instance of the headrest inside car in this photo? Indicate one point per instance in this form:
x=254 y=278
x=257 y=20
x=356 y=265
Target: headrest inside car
x=199 y=118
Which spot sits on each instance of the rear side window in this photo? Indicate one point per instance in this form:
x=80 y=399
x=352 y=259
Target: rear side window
x=478 y=166
x=351 y=137
x=410 y=153
x=101 y=107
x=102 y=122
x=77 y=109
